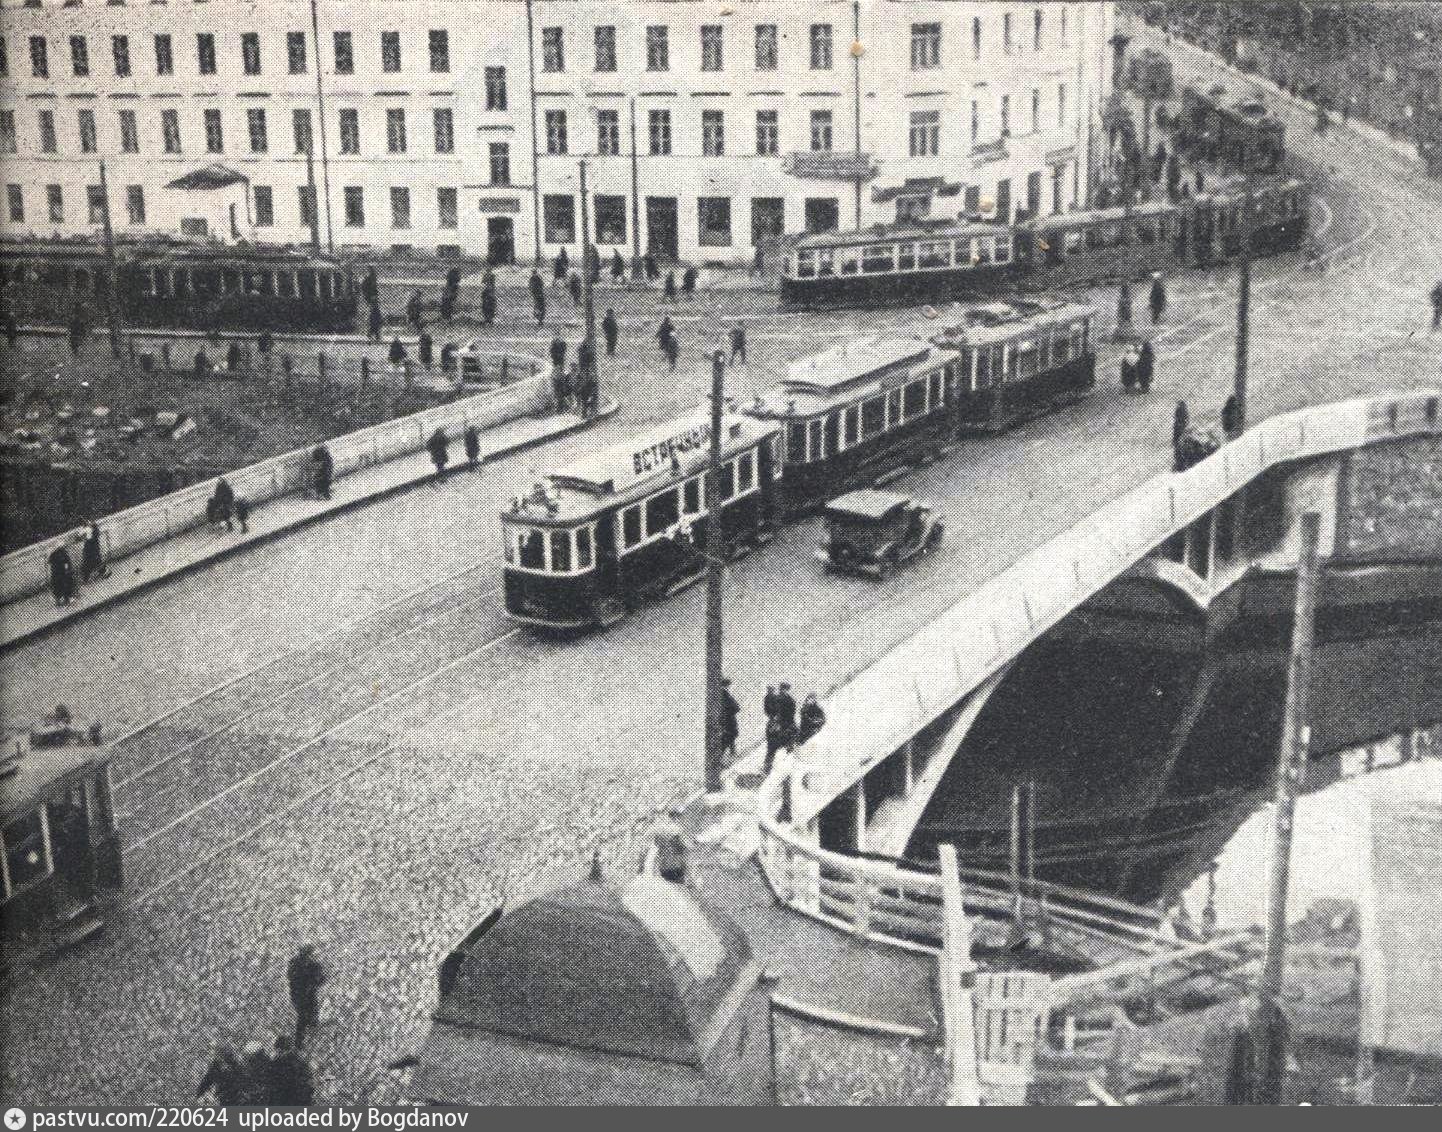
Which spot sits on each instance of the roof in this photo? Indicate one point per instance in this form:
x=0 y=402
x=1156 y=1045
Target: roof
x=942 y=230
x=643 y=972
x=831 y=369
x=1001 y=321
x=215 y=176
x=40 y=771
x=867 y=504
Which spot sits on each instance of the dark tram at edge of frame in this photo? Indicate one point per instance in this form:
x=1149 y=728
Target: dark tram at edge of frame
x=173 y=282
x=916 y=262
x=628 y=525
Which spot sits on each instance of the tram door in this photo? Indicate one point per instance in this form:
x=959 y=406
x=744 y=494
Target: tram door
x=69 y=821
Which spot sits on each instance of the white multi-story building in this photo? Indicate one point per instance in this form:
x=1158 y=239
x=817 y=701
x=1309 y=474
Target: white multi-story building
x=463 y=124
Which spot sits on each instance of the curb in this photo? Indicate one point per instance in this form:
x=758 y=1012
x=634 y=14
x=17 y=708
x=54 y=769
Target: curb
x=227 y=549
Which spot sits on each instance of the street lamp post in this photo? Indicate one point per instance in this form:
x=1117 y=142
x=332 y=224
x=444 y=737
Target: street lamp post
x=635 y=199
x=714 y=551
x=586 y=251
x=112 y=295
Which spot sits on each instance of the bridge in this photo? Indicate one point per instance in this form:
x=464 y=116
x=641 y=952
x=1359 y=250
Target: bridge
x=837 y=817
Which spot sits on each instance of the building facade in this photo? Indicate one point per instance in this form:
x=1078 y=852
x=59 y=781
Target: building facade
x=463 y=125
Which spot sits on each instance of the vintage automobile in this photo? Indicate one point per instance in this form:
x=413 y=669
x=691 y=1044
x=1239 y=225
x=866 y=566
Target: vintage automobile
x=872 y=532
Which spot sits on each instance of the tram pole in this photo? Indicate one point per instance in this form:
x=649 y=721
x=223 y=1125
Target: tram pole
x=112 y=291
x=1291 y=764
x=636 y=272
x=586 y=292
x=715 y=548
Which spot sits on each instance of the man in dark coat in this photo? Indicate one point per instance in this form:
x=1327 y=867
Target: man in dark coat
x=1146 y=365
x=587 y=393
x=1158 y=298
x=561 y=268
x=609 y=330
x=242 y=514
x=92 y=558
x=813 y=718
x=786 y=713
x=232 y=358
x=670 y=289
x=224 y=502
x=202 y=363
x=665 y=333
x=1180 y=420
x=618 y=267
x=574 y=285
x=688 y=281
x=323 y=471
x=558 y=352
x=1232 y=416
x=673 y=350
x=439 y=448
x=290 y=1080
x=472 y=440
x=306 y=976
x=370 y=289
x=448 y=305
x=413 y=309
x=561 y=387
x=425 y=349
x=62 y=575
x=768 y=703
x=586 y=357
x=397 y=352
x=738 y=343
x=538 y=296
x=653 y=269
x=730 y=720
x=373 y=325
x=488 y=306
x=224 y=1076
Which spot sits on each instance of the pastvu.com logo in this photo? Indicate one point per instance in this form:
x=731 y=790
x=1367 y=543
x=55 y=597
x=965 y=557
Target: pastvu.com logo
x=14 y=1119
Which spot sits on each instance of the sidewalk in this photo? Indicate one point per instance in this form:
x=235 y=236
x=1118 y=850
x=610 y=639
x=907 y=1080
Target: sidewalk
x=33 y=616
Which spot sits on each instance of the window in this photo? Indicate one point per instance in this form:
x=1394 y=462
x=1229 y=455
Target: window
x=873 y=416
x=47 y=131
x=583 y=548
x=350 y=131
x=9 y=141
x=852 y=430
x=1006 y=115
x=344 y=53
x=305 y=202
x=295 y=52
x=205 y=53
x=1061 y=104
x=976 y=37
x=553 y=50
x=495 y=88
x=164 y=56
x=1006 y=33
x=821 y=47
x=39 y=57
x=304 y=134
x=15 y=197
x=264 y=206
x=1063 y=30
x=255 y=124
x=170 y=130
x=1035 y=110
x=55 y=203
x=691 y=496
x=396 y=130
x=129 y=132
x=658 y=48
x=663 y=512
x=925 y=46
x=660 y=122
x=727 y=487
x=500 y=163
x=561 y=551
x=400 y=207
x=440 y=45
x=711 y=47
x=767 y=55
x=558 y=214
x=4 y=58
x=443 y=124
x=796 y=442
x=925 y=133
x=532 y=545
x=975 y=120
x=95 y=201
x=355 y=207
x=556 y=131
x=120 y=50
x=767 y=133
x=80 y=56
x=714 y=217
x=27 y=859
x=214 y=133
x=1036 y=24
x=713 y=133
x=250 y=53
x=608 y=132
x=631 y=526
x=610 y=219
x=606 y=47
x=391 y=52
x=821 y=131
x=447 y=209
x=86 y=123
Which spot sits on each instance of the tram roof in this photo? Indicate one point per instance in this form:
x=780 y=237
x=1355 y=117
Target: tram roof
x=158 y=247
x=40 y=772
x=886 y=233
x=842 y=374
x=990 y=323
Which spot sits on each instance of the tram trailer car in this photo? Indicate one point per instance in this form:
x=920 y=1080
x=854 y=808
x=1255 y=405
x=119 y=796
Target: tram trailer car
x=629 y=524
x=1210 y=129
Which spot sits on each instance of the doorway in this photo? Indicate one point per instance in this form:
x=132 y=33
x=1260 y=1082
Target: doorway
x=500 y=241
x=662 y=235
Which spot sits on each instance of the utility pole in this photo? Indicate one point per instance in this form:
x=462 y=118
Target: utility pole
x=112 y=294
x=856 y=52
x=535 y=144
x=586 y=270
x=1291 y=764
x=715 y=548
x=324 y=143
x=1244 y=297
x=314 y=198
x=635 y=199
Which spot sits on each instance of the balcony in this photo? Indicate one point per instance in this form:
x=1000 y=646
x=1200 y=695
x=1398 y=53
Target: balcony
x=830 y=166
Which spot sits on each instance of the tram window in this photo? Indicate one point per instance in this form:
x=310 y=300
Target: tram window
x=1061 y=347
x=561 y=551
x=663 y=512
x=873 y=416
x=815 y=439
x=307 y=284
x=1043 y=351
x=26 y=860
x=1010 y=363
x=934 y=254
x=728 y=481
x=906 y=257
x=833 y=434
x=981 y=249
x=286 y=281
x=1025 y=359
x=893 y=408
x=914 y=402
x=796 y=443
x=805 y=265
x=1078 y=339
x=1146 y=231
x=825 y=262
x=583 y=548
x=1095 y=238
x=849 y=260
x=746 y=471
x=691 y=496
x=879 y=259
x=853 y=425
x=1003 y=249
x=1073 y=242
x=532 y=546
x=631 y=526
x=936 y=387
x=983 y=367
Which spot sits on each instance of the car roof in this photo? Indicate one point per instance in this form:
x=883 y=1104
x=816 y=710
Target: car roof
x=867 y=504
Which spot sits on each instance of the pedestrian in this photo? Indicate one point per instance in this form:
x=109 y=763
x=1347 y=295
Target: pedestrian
x=670 y=288
x=758 y=261
x=1180 y=420
x=322 y=471
x=424 y=348
x=290 y=1080
x=558 y=351
x=586 y=357
x=768 y=702
x=413 y=309
x=587 y=394
x=1129 y=370
x=673 y=350
x=448 y=305
x=306 y=976
x=1146 y=365
x=255 y=1075
x=439 y=448
x=574 y=286
x=202 y=363
x=561 y=386
x=92 y=558
x=609 y=330
x=1124 y=304
x=370 y=289
x=688 y=281
x=775 y=741
x=1158 y=298
x=618 y=267
x=561 y=268
x=62 y=575
x=448 y=358
x=593 y=265
x=538 y=296
x=1232 y=416
x=242 y=514
x=813 y=718
x=738 y=343
x=653 y=269
x=1437 y=306
x=730 y=720
x=665 y=332
x=224 y=501
x=373 y=326
x=232 y=358
x=225 y=1076
x=786 y=713
x=397 y=352
x=263 y=343
x=471 y=438
x=78 y=331
x=12 y=329
x=488 y=306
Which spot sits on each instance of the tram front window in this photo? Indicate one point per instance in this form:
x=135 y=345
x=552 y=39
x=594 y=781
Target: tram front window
x=532 y=546
x=662 y=512
x=583 y=548
x=691 y=496
x=873 y=416
x=746 y=470
x=631 y=526
x=796 y=443
x=25 y=858
x=561 y=551
x=728 y=481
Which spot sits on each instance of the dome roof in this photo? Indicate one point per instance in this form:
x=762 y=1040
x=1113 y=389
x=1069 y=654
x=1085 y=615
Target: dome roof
x=640 y=972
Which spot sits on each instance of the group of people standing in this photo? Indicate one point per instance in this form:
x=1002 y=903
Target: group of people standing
x=786 y=727
x=64 y=581
x=225 y=508
x=578 y=387
x=439 y=447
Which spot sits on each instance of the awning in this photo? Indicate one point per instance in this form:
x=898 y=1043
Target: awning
x=210 y=177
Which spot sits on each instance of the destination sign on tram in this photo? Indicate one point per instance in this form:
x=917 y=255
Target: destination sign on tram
x=658 y=455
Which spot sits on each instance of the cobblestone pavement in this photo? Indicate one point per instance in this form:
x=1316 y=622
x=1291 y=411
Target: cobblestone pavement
x=442 y=759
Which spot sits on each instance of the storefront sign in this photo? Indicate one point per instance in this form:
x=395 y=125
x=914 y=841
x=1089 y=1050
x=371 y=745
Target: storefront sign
x=499 y=204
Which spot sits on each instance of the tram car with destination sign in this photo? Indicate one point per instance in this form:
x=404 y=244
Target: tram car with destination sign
x=178 y=283
x=628 y=524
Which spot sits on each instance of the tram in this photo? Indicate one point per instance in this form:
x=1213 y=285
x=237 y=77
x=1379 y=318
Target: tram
x=1232 y=135
x=179 y=283
x=628 y=524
